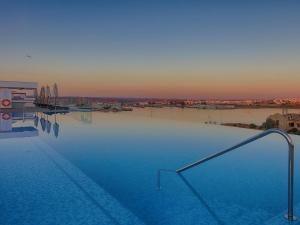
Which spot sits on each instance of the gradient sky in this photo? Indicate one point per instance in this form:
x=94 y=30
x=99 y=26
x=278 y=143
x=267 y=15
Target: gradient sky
x=165 y=48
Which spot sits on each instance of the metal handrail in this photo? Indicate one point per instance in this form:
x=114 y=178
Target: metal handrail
x=290 y=216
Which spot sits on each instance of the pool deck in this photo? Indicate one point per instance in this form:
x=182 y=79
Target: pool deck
x=38 y=186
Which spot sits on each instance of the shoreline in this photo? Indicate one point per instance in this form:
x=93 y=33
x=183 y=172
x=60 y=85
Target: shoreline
x=253 y=126
x=40 y=109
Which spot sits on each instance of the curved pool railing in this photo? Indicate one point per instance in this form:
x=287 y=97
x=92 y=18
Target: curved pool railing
x=290 y=215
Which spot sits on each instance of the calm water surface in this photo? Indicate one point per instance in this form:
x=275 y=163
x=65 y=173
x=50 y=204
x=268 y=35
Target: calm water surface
x=122 y=152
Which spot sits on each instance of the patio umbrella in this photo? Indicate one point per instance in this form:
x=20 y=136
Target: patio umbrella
x=48 y=94
x=55 y=93
x=42 y=95
x=35 y=94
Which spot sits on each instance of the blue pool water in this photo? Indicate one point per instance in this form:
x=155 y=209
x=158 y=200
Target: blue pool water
x=122 y=154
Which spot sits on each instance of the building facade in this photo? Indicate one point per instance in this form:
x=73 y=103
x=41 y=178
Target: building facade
x=15 y=94
x=286 y=121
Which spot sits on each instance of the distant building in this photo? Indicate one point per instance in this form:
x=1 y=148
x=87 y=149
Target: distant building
x=15 y=94
x=286 y=121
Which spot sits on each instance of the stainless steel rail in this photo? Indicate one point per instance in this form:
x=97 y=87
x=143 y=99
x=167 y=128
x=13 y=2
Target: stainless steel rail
x=290 y=216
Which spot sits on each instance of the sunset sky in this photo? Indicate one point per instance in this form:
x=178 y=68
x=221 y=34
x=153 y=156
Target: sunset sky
x=154 y=48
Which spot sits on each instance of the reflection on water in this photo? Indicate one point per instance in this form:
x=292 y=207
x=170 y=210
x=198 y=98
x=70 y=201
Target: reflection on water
x=43 y=123
x=201 y=199
x=46 y=124
x=36 y=121
x=5 y=122
x=7 y=130
x=85 y=117
x=191 y=189
x=210 y=116
x=15 y=125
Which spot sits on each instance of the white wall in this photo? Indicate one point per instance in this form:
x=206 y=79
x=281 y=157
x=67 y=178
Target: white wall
x=5 y=98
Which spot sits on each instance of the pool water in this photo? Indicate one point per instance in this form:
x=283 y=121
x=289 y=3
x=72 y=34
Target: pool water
x=123 y=152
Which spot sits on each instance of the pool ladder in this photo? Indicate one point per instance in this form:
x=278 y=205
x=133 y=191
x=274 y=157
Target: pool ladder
x=290 y=215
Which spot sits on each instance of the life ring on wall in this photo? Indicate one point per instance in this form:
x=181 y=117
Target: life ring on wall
x=6 y=102
x=6 y=116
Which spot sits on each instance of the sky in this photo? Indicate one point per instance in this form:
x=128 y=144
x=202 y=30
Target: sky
x=166 y=48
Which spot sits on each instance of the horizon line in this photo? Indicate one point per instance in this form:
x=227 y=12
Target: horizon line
x=178 y=98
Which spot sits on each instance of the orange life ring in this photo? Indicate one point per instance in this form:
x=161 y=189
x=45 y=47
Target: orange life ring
x=6 y=102
x=6 y=116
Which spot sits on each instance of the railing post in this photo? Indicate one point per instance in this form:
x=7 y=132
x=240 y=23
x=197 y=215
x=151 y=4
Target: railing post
x=290 y=216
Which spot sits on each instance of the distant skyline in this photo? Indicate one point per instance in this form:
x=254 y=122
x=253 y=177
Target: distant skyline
x=167 y=48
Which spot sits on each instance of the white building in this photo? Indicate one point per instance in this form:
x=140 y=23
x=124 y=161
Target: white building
x=286 y=121
x=15 y=94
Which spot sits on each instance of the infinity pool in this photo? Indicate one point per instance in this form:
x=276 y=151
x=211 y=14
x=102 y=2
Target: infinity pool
x=122 y=152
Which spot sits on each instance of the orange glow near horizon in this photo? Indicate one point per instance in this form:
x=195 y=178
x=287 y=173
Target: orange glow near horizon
x=173 y=84
x=224 y=77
